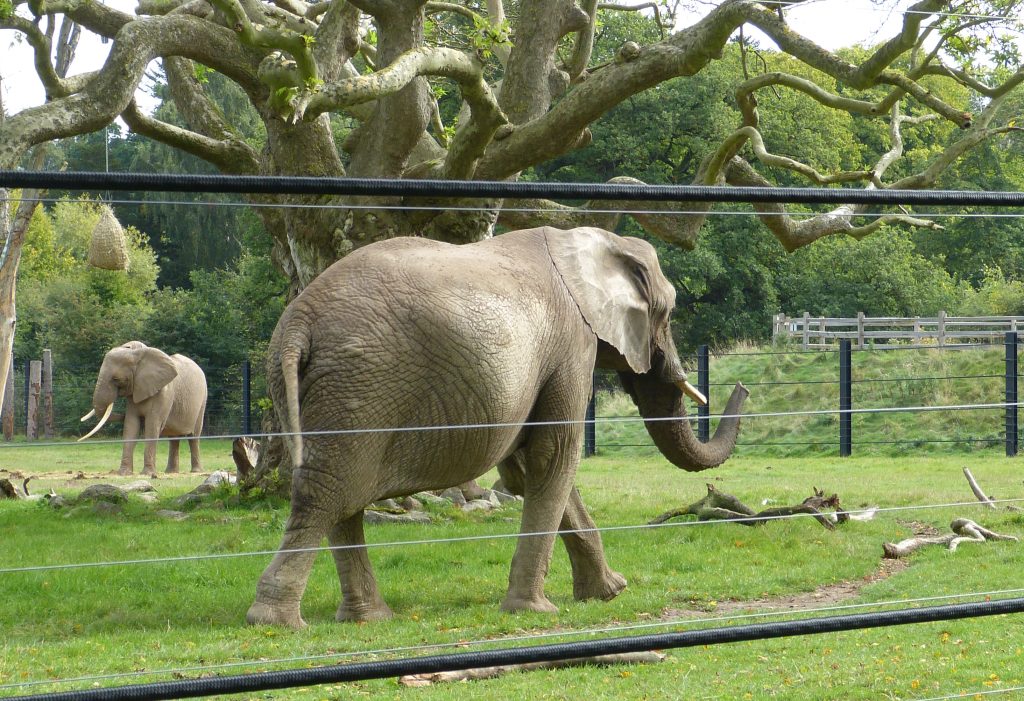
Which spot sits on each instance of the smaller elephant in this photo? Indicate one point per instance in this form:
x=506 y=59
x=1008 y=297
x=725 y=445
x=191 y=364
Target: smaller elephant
x=166 y=397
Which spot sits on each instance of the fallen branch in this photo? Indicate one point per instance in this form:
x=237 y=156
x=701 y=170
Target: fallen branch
x=491 y=672
x=719 y=506
x=964 y=530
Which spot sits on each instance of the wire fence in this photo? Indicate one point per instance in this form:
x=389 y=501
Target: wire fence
x=235 y=391
x=224 y=391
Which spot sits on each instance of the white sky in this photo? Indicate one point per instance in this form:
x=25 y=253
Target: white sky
x=832 y=23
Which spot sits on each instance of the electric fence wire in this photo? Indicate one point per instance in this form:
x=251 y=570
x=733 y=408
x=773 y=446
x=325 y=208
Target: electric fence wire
x=909 y=11
x=975 y=694
x=528 y=638
x=532 y=209
x=534 y=424
x=177 y=559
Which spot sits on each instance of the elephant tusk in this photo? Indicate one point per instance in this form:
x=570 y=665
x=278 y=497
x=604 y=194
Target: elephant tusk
x=88 y=416
x=692 y=392
x=97 y=427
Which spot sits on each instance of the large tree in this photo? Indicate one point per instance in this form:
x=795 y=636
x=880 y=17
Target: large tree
x=487 y=89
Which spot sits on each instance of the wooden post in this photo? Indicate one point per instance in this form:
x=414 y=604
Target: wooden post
x=34 y=390
x=47 y=393
x=807 y=324
x=942 y=329
x=860 y=330
x=8 y=408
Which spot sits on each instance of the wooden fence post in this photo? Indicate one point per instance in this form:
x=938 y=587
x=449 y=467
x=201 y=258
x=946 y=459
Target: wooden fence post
x=34 y=389
x=8 y=408
x=942 y=329
x=47 y=393
x=860 y=330
x=807 y=324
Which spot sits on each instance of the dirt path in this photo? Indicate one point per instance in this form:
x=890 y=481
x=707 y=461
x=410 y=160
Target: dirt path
x=822 y=597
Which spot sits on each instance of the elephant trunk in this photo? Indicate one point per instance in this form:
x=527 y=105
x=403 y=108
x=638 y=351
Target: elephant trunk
x=659 y=401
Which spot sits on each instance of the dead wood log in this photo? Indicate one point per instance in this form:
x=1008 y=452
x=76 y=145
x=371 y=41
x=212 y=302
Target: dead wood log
x=491 y=672
x=986 y=500
x=720 y=506
x=8 y=490
x=964 y=530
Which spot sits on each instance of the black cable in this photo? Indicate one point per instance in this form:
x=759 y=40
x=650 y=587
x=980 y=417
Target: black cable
x=333 y=674
x=294 y=185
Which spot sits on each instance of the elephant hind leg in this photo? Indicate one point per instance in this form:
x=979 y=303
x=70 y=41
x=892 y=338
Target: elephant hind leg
x=282 y=584
x=173 y=447
x=361 y=600
x=193 y=450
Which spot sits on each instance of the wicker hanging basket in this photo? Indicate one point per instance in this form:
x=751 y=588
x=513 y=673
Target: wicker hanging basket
x=108 y=248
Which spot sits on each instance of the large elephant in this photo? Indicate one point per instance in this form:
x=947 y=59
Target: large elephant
x=496 y=340
x=166 y=396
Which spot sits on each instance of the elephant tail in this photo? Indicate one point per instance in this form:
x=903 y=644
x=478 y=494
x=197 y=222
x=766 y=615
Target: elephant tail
x=290 y=358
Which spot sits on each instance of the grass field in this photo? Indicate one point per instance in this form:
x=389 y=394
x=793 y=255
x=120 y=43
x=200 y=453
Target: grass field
x=123 y=623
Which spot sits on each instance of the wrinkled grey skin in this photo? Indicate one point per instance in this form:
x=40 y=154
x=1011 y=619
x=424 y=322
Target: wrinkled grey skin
x=166 y=397
x=410 y=332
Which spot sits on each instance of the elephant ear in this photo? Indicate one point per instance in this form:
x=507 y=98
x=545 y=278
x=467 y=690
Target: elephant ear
x=610 y=285
x=153 y=371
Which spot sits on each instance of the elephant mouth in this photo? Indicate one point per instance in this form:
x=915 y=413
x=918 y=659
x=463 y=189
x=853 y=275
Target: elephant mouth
x=97 y=427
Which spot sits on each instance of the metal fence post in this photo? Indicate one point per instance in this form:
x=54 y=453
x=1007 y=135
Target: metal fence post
x=1012 y=432
x=246 y=397
x=845 y=398
x=590 y=427
x=28 y=372
x=703 y=384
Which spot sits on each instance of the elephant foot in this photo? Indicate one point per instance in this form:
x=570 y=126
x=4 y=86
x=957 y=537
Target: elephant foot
x=362 y=614
x=604 y=588
x=126 y=471
x=171 y=469
x=539 y=604
x=148 y=473
x=261 y=614
x=197 y=469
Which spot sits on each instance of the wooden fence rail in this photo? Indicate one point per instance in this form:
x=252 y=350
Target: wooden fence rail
x=890 y=332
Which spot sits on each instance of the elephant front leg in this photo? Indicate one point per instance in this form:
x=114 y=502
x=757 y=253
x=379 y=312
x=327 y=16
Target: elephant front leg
x=361 y=600
x=550 y=468
x=149 y=453
x=591 y=576
x=131 y=432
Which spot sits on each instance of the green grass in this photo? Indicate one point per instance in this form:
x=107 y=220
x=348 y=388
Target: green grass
x=781 y=381
x=121 y=619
